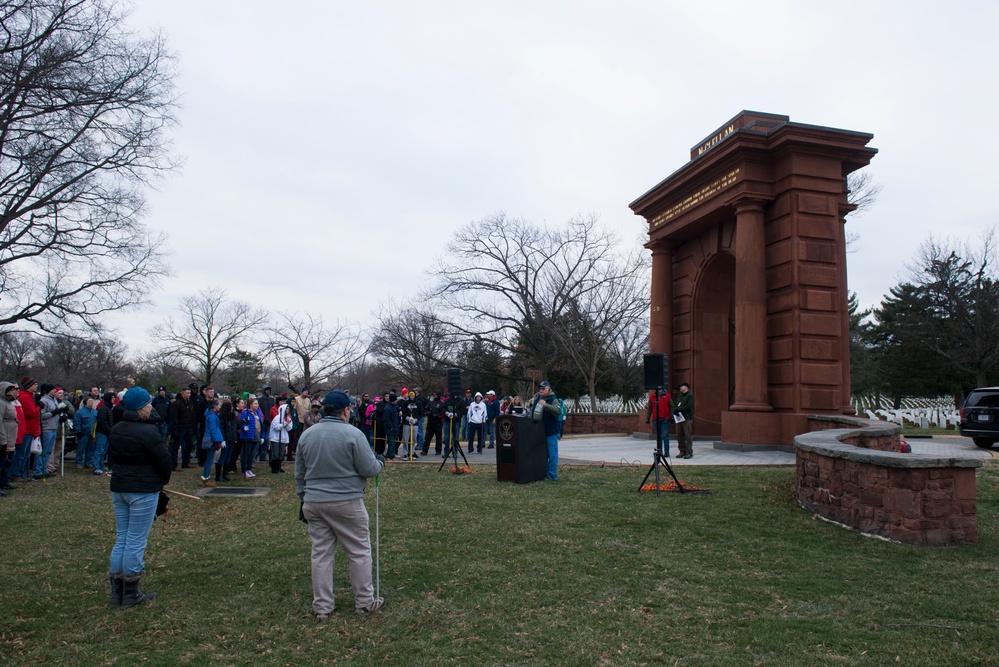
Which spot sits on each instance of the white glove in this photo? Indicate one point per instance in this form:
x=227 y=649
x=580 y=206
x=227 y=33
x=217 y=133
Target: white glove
x=411 y=420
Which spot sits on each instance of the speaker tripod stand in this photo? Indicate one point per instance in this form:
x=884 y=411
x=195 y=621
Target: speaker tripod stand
x=659 y=457
x=455 y=450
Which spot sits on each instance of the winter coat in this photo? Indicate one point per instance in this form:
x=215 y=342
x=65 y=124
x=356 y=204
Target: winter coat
x=104 y=420
x=213 y=429
x=49 y=413
x=141 y=461
x=492 y=410
x=435 y=410
x=181 y=415
x=32 y=425
x=280 y=426
x=302 y=404
x=230 y=429
x=390 y=418
x=162 y=406
x=8 y=419
x=266 y=404
x=251 y=425
x=84 y=421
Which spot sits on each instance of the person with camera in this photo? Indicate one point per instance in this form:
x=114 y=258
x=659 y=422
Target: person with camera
x=332 y=467
x=49 y=412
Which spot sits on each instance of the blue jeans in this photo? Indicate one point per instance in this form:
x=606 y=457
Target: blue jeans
x=391 y=449
x=419 y=433
x=210 y=459
x=100 y=450
x=662 y=426
x=491 y=433
x=42 y=460
x=19 y=464
x=133 y=516
x=551 y=442
x=84 y=450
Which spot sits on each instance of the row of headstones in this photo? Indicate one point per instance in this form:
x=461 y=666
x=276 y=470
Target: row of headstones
x=922 y=417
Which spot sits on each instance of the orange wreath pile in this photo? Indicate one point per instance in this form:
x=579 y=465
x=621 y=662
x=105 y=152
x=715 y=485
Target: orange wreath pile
x=458 y=470
x=672 y=487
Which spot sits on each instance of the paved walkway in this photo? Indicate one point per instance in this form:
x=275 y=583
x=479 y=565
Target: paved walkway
x=623 y=449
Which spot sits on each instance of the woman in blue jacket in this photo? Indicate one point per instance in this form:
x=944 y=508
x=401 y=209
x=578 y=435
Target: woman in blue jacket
x=251 y=423
x=213 y=441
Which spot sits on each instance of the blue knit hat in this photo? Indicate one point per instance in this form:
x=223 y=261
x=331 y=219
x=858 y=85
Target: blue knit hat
x=136 y=398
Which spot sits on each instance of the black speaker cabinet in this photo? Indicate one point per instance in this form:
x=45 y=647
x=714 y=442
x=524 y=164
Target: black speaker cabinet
x=656 y=371
x=521 y=452
x=454 y=381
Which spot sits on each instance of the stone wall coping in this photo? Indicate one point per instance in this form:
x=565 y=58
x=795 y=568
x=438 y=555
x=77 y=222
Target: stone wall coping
x=829 y=443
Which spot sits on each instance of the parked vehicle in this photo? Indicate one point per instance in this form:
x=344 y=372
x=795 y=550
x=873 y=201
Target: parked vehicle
x=980 y=416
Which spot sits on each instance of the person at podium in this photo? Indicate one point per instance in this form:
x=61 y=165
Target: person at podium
x=545 y=407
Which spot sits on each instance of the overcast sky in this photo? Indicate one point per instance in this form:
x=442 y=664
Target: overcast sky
x=332 y=148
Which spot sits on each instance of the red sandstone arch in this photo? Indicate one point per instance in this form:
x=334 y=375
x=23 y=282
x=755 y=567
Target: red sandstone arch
x=760 y=208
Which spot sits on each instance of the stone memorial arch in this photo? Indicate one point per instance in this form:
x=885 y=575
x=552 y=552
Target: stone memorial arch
x=749 y=287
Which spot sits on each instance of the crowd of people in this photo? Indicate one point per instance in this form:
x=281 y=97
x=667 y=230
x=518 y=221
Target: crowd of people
x=224 y=436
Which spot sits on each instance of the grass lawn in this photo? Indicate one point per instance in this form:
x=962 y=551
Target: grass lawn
x=585 y=571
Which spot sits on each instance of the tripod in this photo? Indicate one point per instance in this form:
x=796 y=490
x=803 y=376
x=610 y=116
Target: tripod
x=455 y=450
x=658 y=457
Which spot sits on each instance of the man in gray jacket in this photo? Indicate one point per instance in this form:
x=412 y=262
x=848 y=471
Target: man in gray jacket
x=333 y=463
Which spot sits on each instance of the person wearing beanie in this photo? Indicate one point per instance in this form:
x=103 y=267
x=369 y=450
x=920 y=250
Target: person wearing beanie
x=142 y=468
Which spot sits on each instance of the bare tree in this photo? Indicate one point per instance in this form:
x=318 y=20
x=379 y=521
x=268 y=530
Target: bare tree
x=862 y=192
x=415 y=344
x=84 y=110
x=78 y=362
x=310 y=350
x=208 y=332
x=18 y=353
x=541 y=292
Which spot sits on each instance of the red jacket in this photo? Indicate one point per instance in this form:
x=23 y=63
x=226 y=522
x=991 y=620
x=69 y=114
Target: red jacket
x=661 y=411
x=32 y=422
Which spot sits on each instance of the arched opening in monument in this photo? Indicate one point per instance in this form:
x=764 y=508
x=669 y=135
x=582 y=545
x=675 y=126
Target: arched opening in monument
x=713 y=343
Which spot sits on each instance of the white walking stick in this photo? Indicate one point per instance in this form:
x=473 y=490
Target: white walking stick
x=378 y=562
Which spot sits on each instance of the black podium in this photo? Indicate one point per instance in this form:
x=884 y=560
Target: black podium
x=521 y=453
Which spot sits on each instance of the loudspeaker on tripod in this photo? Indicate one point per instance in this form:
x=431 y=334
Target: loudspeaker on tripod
x=454 y=381
x=656 y=371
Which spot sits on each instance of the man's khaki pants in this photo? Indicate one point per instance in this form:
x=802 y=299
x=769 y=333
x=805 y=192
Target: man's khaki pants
x=346 y=522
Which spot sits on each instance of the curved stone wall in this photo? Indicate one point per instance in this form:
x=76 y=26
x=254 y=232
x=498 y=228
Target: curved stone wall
x=856 y=476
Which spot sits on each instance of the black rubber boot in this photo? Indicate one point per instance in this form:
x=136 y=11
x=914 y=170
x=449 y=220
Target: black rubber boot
x=131 y=594
x=116 y=588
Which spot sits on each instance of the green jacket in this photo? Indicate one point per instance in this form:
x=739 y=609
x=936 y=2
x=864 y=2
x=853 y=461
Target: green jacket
x=684 y=404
